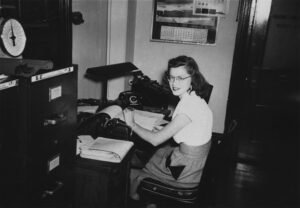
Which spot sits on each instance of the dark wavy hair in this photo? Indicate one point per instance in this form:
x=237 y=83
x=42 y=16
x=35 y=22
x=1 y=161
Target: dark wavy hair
x=199 y=84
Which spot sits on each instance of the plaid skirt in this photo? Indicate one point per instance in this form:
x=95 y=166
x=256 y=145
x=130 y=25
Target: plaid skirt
x=179 y=166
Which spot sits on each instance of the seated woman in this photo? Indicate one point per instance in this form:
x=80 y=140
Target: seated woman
x=190 y=127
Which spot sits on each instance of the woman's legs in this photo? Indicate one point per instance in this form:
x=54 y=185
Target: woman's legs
x=136 y=176
x=155 y=166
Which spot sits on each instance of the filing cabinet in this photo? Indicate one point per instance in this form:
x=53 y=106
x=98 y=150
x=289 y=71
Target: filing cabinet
x=44 y=146
x=10 y=166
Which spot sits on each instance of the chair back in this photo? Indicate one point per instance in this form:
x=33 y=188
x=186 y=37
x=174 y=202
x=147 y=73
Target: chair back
x=207 y=93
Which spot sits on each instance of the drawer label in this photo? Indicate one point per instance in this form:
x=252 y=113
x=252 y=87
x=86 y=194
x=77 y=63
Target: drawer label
x=9 y=84
x=54 y=93
x=53 y=163
x=47 y=75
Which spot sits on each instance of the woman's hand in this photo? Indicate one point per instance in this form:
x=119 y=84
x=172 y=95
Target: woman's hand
x=157 y=128
x=129 y=116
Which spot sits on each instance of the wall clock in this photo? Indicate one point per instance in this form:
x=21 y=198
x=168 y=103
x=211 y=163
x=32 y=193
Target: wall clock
x=13 y=38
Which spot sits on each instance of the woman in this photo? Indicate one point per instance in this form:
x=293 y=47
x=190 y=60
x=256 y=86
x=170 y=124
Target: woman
x=190 y=127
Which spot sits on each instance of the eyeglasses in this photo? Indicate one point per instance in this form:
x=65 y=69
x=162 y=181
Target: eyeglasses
x=178 y=79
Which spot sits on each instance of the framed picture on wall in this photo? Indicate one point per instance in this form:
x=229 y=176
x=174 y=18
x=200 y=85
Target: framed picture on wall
x=175 y=21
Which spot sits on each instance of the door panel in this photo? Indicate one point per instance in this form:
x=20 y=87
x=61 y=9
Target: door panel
x=264 y=84
x=271 y=93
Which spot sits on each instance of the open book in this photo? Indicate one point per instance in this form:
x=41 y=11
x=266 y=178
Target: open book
x=103 y=149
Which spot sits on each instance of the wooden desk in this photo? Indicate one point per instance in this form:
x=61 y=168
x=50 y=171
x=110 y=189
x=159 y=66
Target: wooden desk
x=102 y=184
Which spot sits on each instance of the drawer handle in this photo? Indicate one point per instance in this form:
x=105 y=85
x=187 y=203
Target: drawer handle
x=59 y=184
x=54 y=120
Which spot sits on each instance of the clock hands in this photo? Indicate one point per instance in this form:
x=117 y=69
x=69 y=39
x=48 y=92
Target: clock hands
x=12 y=37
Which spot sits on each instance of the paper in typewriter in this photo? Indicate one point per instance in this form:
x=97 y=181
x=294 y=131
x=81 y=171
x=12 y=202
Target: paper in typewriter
x=105 y=149
x=114 y=111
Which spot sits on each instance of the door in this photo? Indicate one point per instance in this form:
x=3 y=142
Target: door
x=264 y=97
x=263 y=89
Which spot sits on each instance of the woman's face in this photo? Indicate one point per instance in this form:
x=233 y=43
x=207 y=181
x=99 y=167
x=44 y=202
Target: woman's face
x=179 y=81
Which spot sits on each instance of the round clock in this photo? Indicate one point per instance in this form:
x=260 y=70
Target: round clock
x=13 y=38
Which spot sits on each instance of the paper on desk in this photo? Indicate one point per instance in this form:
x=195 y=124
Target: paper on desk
x=148 y=120
x=106 y=149
x=83 y=140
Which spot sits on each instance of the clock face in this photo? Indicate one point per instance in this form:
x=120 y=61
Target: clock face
x=13 y=38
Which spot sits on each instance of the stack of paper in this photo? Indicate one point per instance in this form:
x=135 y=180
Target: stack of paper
x=104 y=149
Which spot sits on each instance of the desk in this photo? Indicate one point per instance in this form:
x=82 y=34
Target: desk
x=102 y=184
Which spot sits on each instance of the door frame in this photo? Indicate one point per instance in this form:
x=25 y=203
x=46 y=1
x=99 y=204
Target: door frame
x=253 y=18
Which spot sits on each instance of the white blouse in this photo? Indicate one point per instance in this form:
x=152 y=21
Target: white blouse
x=199 y=131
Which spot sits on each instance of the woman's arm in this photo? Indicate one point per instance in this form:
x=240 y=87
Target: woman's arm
x=158 y=137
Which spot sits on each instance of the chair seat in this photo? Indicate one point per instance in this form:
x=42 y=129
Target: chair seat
x=155 y=190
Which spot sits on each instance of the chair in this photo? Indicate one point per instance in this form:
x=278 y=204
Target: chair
x=207 y=92
x=154 y=191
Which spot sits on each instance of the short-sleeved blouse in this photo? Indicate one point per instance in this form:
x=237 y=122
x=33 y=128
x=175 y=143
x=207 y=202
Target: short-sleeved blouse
x=199 y=131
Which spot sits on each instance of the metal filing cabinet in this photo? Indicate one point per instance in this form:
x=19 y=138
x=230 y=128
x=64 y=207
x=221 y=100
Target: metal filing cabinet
x=10 y=164
x=46 y=127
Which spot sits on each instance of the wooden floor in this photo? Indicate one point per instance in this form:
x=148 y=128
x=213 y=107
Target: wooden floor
x=250 y=186
x=271 y=182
